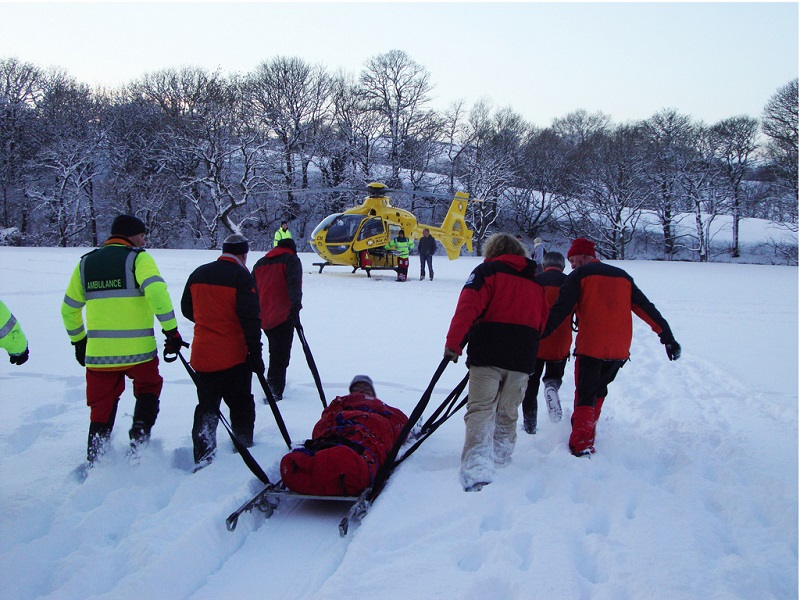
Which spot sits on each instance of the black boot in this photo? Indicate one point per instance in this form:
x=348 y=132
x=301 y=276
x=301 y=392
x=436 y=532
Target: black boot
x=99 y=434
x=529 y=422
x=144 y=417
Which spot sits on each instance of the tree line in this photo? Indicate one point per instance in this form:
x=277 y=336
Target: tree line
x=198 y=154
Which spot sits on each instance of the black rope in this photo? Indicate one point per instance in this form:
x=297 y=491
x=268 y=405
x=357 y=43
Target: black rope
x=244 y=452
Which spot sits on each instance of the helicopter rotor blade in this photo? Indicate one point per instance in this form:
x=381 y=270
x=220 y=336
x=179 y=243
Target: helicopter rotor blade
x=370 y=191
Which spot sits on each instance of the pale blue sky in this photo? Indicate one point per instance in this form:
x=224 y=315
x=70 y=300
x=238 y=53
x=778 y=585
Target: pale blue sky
x=628 y=60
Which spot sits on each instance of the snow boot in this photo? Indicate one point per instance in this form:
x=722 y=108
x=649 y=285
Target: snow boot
x=144 y=417
x=581 y=440
x=551 y=387
x=476 y=487
x=99 y=435
x=529 y=422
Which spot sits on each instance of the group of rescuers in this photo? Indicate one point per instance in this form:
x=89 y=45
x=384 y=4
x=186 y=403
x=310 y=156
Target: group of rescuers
x=514 y=316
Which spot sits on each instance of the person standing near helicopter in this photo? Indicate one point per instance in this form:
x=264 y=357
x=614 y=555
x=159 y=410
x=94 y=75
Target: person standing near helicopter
x=283 y=233
x=427 y=248
x=403 y=246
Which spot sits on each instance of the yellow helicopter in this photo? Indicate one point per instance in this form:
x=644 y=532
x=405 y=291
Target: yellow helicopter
x=357 y=237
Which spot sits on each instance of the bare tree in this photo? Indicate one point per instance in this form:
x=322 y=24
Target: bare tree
x=397 y=88
x=611 y=194
x=780 y=125
x=294 y=100
x=198 y=146
x=69 y=160
x=735 y=143
x=21 y=90
x=670 y=138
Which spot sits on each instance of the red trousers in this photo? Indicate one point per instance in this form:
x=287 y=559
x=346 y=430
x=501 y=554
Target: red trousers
x=105 y=386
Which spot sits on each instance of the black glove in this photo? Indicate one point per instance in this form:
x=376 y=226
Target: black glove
x=673 y=350
x=256 y=363
x=80 y=351
x=174 y=342
x=294 y=317
x=19 y=359
x=451 y=355
x=672 y=347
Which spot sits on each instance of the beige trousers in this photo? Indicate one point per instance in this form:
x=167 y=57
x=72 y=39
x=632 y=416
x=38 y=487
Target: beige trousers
x=491 y=421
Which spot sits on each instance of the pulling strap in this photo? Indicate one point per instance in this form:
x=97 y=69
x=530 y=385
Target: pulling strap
x=244 y=452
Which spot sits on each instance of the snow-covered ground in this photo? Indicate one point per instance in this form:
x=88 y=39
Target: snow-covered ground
x=692 y=492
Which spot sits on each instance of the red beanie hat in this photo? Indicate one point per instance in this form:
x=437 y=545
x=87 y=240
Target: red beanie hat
x=581 y=246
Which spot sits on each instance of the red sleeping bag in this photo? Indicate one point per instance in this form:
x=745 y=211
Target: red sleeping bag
x=349 y=443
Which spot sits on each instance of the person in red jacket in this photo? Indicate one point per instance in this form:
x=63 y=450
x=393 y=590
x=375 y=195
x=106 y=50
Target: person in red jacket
x=553 y=351
x=220 y=298
x=499 y=315
x=279 y=280
x=602 y=297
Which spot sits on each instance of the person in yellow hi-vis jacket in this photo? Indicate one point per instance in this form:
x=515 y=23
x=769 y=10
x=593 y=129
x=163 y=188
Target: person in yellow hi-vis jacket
x=12 y=338
x=122 y=290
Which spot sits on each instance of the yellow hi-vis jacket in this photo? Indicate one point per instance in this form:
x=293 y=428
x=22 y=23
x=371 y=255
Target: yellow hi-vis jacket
x=281 y=235
x=12 y=338
x=403 y=246
x=122 y=290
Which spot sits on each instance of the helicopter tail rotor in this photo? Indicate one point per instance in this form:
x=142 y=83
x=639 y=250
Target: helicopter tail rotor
x=453 y=233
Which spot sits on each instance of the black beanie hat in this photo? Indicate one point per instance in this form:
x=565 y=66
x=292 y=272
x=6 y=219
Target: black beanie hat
x=235 y=244
x=127 y=225
x=288 y=243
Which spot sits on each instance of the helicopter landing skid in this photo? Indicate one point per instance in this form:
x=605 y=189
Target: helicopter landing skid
x=322 y=265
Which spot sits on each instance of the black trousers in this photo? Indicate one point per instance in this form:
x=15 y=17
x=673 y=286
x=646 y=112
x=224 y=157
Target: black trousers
x=592 y=376
x=280 y=352
x=234 y=387
x=425 y=259
x=553 y=369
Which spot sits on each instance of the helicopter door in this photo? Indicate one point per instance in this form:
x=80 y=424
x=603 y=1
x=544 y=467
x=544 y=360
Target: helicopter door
x=372 y=235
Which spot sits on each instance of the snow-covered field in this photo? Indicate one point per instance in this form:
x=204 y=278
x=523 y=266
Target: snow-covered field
x=692 y=492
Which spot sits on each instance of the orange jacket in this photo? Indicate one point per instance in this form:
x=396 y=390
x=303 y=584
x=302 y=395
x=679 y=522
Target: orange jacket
x=603 y=298
x=220 y=298
x=555 y=347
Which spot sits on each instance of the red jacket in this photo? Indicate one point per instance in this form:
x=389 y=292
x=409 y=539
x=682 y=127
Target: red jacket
x=603 y=298
x=557 y=345
x=220 y=298
x=500 y=312
x=279 y=280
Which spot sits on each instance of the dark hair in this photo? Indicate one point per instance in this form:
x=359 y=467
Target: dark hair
x=288 y=243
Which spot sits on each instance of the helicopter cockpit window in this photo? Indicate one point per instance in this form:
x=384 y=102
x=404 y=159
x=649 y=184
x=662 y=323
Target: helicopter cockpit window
x=343 y=229
x=325 y=222
x=371 y=228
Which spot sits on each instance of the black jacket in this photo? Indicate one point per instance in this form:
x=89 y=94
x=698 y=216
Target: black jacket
x=427 y=245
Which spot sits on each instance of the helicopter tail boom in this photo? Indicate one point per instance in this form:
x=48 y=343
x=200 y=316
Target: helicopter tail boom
x=453 y=233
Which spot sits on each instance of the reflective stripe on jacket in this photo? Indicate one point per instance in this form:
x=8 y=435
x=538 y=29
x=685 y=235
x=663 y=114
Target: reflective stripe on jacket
x=281 y=235
x=12 y=338
x=403 y=246
x=123 y=291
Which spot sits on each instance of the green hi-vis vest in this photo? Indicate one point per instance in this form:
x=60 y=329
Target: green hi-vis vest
x=403 y=247
x=281 y=235
x=122 y=291
x=12 y=339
